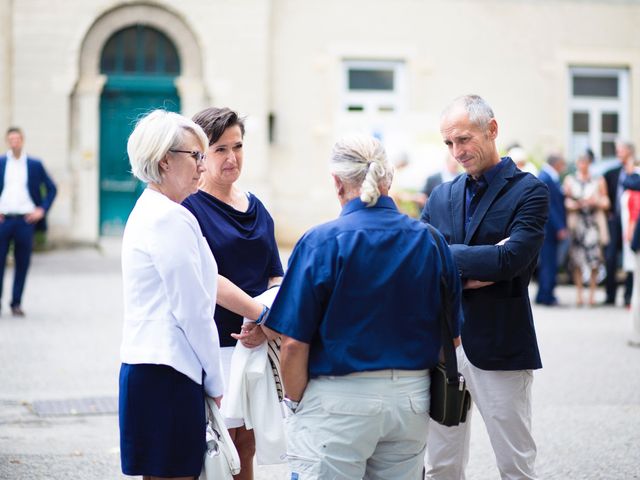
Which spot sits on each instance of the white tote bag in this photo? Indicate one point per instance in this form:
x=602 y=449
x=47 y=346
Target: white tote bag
x=221 y=460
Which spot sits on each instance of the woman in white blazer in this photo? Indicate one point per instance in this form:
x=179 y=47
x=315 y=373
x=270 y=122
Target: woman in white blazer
x=170 y=350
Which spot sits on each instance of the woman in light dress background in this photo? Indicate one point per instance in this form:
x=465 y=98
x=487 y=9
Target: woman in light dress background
x=586 y=202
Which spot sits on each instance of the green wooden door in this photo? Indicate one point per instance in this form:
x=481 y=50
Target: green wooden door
x=141 y=65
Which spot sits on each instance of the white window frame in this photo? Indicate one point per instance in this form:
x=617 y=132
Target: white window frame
x=595 y=107
x=373 y=100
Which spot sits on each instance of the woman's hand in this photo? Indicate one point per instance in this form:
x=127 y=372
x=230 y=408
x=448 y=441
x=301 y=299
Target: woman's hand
x=250 y=336
x=471 y=284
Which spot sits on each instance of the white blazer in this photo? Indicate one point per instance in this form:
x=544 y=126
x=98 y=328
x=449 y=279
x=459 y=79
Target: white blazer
x=169 y=279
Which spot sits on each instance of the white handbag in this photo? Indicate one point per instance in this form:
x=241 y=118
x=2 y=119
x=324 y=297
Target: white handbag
x=221 y=460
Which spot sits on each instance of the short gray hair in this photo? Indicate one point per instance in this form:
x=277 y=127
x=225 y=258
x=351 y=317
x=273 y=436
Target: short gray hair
x=360 y=161
x=477 y=108
x=628 y=144
x=153 y=136
x=554 y=158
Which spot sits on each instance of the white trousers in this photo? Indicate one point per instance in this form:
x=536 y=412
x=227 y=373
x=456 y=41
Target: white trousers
x=353 y=427
x=503 y=399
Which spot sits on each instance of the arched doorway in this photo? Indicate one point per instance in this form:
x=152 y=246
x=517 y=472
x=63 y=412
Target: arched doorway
x=141 y=65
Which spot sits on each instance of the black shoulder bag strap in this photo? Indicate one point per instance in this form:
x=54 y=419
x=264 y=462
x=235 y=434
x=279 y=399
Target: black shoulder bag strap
x=450 y=360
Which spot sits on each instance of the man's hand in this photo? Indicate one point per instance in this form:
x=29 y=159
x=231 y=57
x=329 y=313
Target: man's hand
x=250 y=336
x=35 y=216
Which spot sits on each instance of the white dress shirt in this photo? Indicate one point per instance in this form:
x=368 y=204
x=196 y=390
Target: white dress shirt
x=170 y=285
x=15 y=198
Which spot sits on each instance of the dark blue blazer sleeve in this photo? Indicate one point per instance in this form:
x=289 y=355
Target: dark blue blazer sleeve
x=525 y=233
x=632 y=182
x=38 y=177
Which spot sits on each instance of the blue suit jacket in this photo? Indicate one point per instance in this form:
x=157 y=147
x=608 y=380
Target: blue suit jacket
x=498 y=331
x=557 y=214
x=36 y=177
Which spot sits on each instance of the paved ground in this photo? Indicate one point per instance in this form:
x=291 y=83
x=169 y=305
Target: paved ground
x=586 y=399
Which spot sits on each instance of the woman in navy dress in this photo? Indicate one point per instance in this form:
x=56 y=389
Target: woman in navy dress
x=240 y=233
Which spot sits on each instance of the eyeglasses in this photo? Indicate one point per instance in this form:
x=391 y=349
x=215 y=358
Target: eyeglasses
x=199 y=157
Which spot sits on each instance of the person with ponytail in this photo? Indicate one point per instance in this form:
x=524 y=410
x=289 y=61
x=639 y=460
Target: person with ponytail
x=357 y=313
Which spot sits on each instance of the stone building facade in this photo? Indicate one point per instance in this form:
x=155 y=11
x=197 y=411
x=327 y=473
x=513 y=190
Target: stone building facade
x=74 y=74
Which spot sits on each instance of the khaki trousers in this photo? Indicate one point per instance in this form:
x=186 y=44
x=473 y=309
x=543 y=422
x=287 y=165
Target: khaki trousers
x=371 y=425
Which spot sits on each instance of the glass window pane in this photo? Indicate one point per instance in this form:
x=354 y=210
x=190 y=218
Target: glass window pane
x=370 y=79
x=108 y=60
x=139 y=49
x=171 y=61
x=150 y=51
x=355 y=108
x=581 y=122
x=610 y=122
x=608 y=149
x=129 y=49
x=586 y=86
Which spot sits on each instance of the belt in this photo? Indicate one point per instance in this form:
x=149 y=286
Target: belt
x=13 y=215
x=389 y=373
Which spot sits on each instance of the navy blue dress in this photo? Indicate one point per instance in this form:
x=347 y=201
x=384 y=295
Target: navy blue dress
x=244 y=246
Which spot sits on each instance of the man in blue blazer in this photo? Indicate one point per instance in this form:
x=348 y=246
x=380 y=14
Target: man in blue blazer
x=26 y=194
x=493 y=217
x=555 y=230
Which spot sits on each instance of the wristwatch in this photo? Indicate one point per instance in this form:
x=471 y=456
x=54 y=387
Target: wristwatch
x=263 y=315
x=291 y=404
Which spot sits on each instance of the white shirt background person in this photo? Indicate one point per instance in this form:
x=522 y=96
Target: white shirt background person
x=15 y=198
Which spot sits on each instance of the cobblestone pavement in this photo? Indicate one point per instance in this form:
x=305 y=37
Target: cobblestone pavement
x=586 y=409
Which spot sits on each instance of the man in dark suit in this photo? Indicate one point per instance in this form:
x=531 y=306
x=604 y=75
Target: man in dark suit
x=555 y=230
x=23 y=206
x=614 y=178
x=493 y=217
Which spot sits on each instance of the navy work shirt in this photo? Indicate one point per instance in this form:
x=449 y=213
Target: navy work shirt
x=363 y=290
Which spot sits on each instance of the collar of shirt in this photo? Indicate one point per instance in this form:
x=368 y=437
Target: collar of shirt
x=474 y=186
x=487 y=176
x=551 y=171
x=21 y=158
x=356 y=204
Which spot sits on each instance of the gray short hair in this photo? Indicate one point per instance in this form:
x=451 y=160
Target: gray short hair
x=360 y=161
x=153 y=136
x=627 y=144
x=479 y=111
x=554 y=158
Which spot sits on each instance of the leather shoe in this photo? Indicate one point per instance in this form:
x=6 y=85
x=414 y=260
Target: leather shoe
x=552 y=303
x=17 y=311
